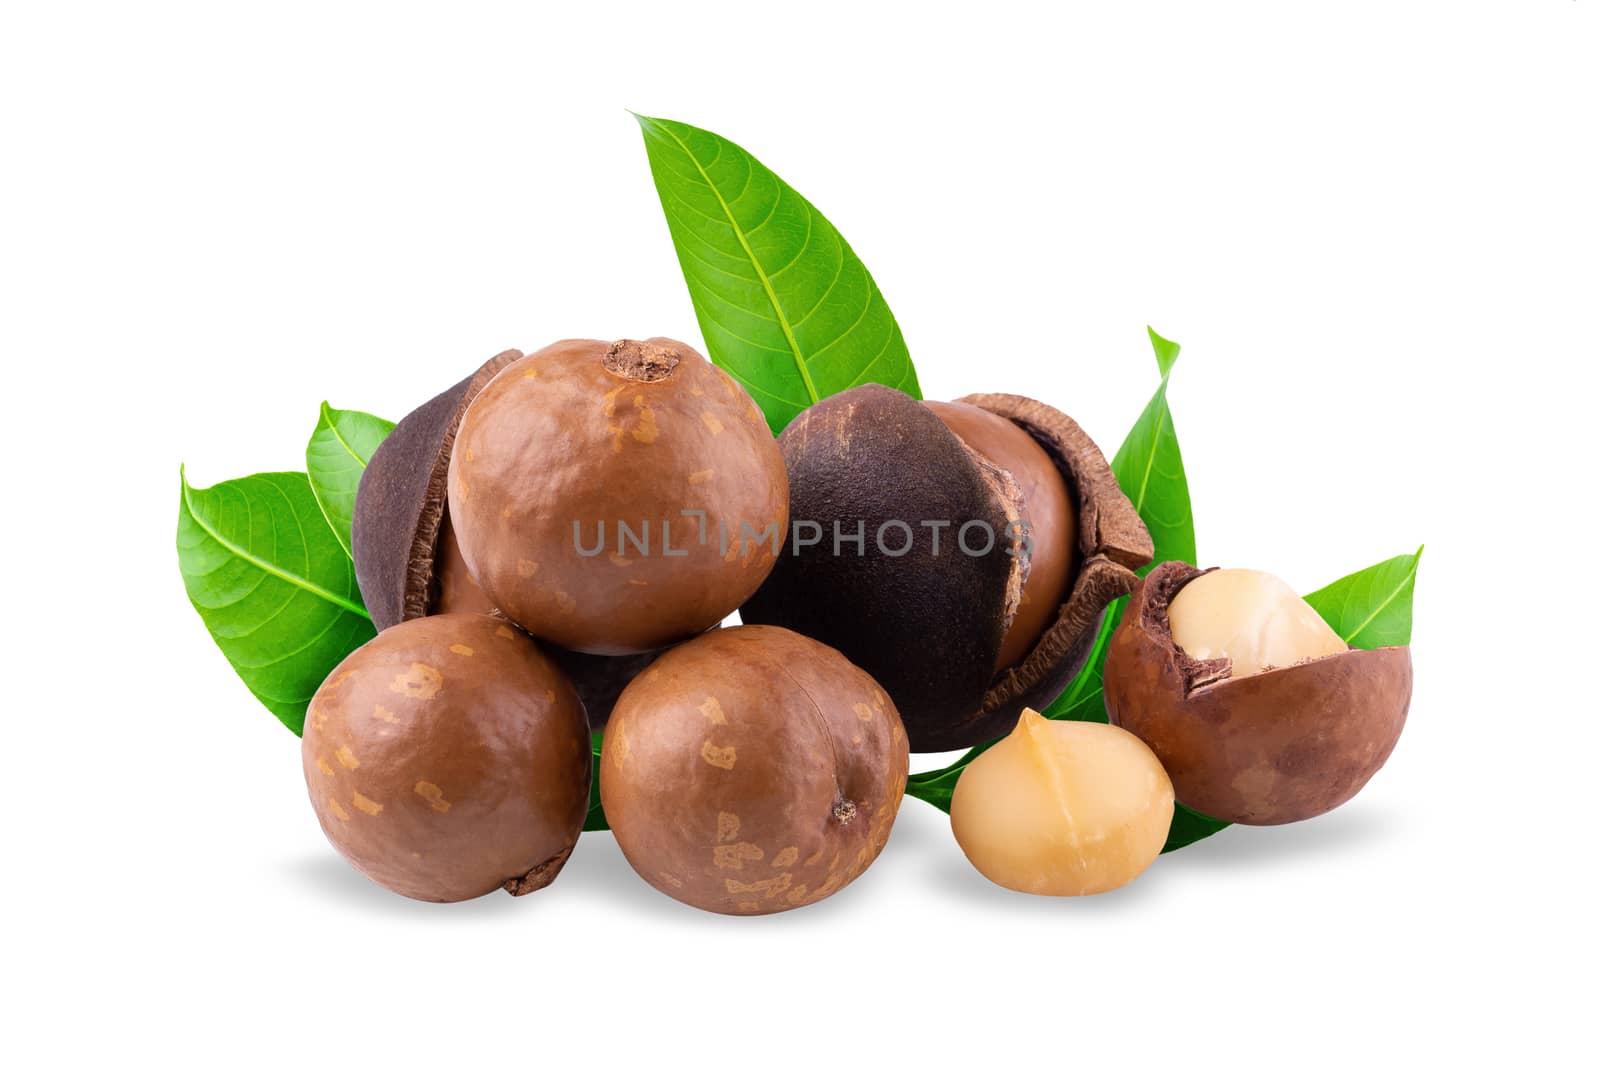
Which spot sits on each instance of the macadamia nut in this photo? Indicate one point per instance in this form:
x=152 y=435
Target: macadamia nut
x=448 y=757
x=1251 y=618
x=752 y=770
x=1063 y=808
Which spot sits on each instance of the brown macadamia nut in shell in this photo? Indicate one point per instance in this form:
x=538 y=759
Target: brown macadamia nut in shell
x=752 y=770
x=408 y=563
x=573 y=440
x=448 y=757
x=930 y=623
x=1281 y=745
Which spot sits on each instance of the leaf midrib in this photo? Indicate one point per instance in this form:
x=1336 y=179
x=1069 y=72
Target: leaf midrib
x=1155 y=447
x=263 y=565
x=761 y=275
x=337 y=436
x=1411 y=574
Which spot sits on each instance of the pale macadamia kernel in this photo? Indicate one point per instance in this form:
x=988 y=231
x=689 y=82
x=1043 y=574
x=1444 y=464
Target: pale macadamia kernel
x=1251 y=618
x=1063 y=808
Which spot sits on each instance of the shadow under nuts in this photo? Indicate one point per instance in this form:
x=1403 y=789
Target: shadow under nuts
x=614 y=498
x=407 y=561
x=752 y=770
x=1259 y=712
x=447 y=757
x=909 y=556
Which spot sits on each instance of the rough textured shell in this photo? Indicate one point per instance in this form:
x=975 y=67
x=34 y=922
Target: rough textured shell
x=929 y=628
x=752 y=770
x=448 y=757
x=1275 y=747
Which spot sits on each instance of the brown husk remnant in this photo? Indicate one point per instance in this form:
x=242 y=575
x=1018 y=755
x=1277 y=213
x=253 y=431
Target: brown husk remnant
x=1114 y=544
x=1276 y=747
x=400 y=504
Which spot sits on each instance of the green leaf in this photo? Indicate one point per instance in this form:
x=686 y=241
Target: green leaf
x=1149 y=467
x=784 y=305
x=938 y=786
x=1371 y=608
x=337 y=453
x=1189 y=826
x=596 y=819
x=273 y=585
x=1166 y=351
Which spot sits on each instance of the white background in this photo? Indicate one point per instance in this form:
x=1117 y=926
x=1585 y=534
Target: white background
x=1372 y=226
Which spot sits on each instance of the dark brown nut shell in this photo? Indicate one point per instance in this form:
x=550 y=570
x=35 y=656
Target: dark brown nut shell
x=408 y=564
x=582 y=435
x=929 y=627
x=599 y=679
x=752 y=770
x=448 y=757
x=1046 y=508
x=400 y=504
x=1276 y=747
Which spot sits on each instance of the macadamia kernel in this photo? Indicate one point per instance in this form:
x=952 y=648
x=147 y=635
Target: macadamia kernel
x=1063 y=808
x=1251 y=618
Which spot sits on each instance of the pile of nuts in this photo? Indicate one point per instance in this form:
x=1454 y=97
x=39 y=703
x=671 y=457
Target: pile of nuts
x=548 y=548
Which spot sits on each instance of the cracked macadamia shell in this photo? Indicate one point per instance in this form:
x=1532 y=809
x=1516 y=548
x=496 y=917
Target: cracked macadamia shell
x=1044 y=507
x=569 y=442
x=447 y=757
x=407 y=560
x=930 y=623
x=1282 y=745
x=752 y=770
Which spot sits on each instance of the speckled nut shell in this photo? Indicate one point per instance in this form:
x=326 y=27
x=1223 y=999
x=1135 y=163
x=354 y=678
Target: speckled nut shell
x=408 y=564
x=752 y=770
x=448 y=757
x=1275 y=747
x=570 y=441
x=929 y=628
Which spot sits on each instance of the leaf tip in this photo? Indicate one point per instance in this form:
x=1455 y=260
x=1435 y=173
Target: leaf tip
x=1166 y=350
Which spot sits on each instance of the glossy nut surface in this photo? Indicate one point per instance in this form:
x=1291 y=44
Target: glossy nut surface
x=752 y=770
x=1044 y=508
x=447 y=757
x=571 y=441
